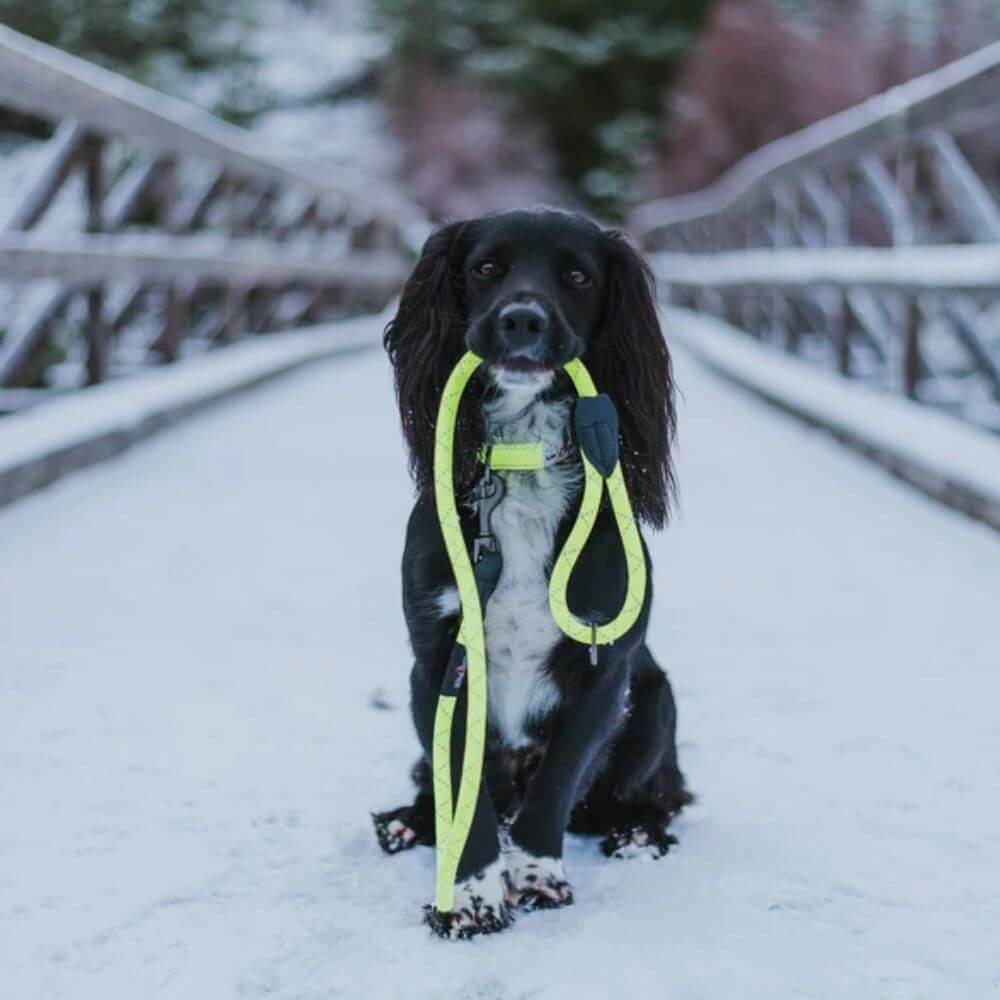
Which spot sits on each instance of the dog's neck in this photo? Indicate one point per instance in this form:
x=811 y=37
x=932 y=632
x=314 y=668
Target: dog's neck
x=521 y=413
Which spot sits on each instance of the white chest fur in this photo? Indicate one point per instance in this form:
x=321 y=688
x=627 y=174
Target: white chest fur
x=520 y=631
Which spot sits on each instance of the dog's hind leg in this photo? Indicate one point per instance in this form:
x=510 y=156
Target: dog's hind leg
x=640 y=788
x=400 y=829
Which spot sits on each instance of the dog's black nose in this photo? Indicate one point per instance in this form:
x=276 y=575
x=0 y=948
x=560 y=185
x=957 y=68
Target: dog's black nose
x=521 y=322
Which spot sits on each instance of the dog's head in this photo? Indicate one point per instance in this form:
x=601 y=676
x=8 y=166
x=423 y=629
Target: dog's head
x=528 y=291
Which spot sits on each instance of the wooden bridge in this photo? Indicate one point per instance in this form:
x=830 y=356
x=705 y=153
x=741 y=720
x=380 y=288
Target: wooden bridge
x=202 y=665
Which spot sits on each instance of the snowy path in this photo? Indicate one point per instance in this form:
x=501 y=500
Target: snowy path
x=192 y=635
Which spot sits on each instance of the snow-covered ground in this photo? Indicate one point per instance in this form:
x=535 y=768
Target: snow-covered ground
x=199 y=640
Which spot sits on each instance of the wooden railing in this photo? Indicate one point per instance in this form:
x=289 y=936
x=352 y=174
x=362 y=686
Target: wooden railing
x=152 y=229
x=846 y=242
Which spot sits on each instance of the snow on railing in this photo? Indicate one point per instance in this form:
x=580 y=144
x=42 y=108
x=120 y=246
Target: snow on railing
x=191 y=234
x=963 y=268
x=869 y=242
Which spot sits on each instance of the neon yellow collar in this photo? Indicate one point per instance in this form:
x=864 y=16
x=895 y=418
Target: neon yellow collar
x=526 y=456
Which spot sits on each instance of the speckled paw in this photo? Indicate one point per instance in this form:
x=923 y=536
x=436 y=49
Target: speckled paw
x=537 y=883
x=480 y=907
x=392 y=832
x=639 y=841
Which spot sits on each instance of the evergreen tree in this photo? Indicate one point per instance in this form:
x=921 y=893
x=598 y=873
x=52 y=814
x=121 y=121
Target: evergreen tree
x=591 y=75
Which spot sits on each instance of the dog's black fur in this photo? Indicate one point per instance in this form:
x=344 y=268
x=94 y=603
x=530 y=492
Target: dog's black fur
x=528 y=291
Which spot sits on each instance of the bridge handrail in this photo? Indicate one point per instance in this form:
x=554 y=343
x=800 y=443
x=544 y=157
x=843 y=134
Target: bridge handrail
x=868 y=242
x=939 y=269
x=202 y=223
x=909 y=108
x=85 y=259
x=40 y=80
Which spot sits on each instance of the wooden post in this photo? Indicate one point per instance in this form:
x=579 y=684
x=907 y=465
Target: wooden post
x=840 y=318
x=177 y=295
x=97 y=361
x=66 y=144
x=793 y=327
x=913 y=364
x=779 y=325
x=314 y=308
x=176 y=317
x=233 y=313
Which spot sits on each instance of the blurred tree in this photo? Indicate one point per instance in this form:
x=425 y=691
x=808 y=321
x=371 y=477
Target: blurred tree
x=765 y=68
x=146 y=39
x=589 y=75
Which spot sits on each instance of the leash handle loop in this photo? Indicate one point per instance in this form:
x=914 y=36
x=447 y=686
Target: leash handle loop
x=591 y=633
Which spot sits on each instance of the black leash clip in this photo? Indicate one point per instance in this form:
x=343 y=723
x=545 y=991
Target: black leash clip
x=488 y=494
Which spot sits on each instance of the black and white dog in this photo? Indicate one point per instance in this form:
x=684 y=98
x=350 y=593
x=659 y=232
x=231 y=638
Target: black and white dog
x=571 y=746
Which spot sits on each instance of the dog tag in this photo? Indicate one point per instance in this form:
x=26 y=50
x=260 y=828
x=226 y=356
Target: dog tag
x=593 y=644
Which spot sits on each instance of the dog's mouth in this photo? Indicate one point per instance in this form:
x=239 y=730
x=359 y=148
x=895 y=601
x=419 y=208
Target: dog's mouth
x=521 y=363
x=521 y=373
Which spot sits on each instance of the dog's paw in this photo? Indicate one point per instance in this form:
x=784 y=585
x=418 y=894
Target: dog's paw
x=480 y=906
x=640 y=840
x=537 y=883
x=392 y=831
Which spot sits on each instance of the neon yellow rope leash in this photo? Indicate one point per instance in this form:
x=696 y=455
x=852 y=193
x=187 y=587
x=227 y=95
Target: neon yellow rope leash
x=454 y=820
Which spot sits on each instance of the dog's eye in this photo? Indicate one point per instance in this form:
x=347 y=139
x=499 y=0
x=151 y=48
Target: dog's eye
x=487 y=269
x=578 y=277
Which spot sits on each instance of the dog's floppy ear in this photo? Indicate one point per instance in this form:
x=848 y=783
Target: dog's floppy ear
x=424 y=340
x=630 y=362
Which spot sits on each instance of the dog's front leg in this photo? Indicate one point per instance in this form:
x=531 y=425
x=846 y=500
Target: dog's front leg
x=481 y=887
x=584 y=724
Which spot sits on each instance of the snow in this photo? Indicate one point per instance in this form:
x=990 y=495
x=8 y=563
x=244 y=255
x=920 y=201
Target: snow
x=126 y=408
x=304 y=49
x=304 y=55
x=973 y=267
x=200 y=637
x=943 y=446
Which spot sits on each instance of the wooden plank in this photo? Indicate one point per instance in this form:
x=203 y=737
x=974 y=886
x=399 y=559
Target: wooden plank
x=234 y=311
x=966 y=324
x=63 y=155
x=96 y=331
x=129 y=194
x=149 y=258
x=97 y=338
x=913 y=362
x=26 y=333
x=888 y=199
x=191 y=211
x=831 y=213
x=127 y=309
x=176 y=321
x=870 y=320
x=842 y=328
x=968 y=197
